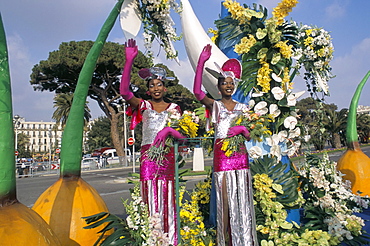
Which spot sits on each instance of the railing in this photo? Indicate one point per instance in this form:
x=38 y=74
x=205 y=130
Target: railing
x=37 y=168
x=31 y=169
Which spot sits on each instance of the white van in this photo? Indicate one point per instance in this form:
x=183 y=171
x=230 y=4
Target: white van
x=111 y=156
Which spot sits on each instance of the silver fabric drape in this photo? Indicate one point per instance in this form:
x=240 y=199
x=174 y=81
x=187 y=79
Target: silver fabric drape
x=240 y=204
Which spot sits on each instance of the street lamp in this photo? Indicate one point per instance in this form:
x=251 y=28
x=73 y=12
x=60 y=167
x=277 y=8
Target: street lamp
x=17 y=123
x=50 y=144
x=124 y=130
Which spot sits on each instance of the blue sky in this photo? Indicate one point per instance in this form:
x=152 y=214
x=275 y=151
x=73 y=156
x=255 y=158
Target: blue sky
x=35 y=28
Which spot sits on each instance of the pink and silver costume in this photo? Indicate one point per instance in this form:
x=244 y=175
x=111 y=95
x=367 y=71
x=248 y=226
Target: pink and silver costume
x=157 y=180
x=234 y=171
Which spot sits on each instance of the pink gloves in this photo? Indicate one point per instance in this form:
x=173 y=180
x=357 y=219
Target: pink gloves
x=235 y=130
x=197 y=88
x=131 y=52
x=160 y=139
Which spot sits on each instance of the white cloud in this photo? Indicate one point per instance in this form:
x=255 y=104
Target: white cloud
x=17 y=49
x=349 y=70
x=183 y=69
x=26 y=102
x=336 y=10
x=184 y=72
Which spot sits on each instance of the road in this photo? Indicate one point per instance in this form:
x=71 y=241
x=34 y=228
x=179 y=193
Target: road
x=110 y=183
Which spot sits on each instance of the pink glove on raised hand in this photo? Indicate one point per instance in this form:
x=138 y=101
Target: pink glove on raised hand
x=197 y=88
x=235 y=130
x=160 y=139
x=131 y=52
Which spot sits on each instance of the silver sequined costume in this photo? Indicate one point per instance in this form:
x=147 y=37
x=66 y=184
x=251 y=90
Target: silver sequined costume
x=157 y=180
x=233 y=174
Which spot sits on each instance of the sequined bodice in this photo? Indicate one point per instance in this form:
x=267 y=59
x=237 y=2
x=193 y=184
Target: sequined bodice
x=222 y=117
x=153 y=122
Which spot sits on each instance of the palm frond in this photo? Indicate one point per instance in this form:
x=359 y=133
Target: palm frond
x=230 y=30
x=281 y=173
x=120 y=236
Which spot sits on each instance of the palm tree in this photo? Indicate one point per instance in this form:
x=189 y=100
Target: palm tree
x=363 y=127
x=63 y=103
x=336 y=123
x=23 y=143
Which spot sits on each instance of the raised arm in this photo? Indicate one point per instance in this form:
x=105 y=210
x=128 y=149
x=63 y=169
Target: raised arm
x=131 y=52
x=197 y=88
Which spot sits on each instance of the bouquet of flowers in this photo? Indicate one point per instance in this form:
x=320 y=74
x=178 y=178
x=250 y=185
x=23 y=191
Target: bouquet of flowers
x=137 y=229
x=158 y=24
x=209 y=140
x=318 y=189
x=272 y=51
x=193 y=229
x=186 y=124
x=315 y=53
x=330 y=204
x=256 y=124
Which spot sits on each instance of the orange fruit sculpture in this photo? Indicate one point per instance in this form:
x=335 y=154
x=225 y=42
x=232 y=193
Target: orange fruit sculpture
x=354 y=163
x=64 y=204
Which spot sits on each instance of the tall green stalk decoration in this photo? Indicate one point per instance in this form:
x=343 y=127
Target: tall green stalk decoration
x=7 y=165
x=70 y=198
x=71 y=150
x=351 y=130
x=19 y=224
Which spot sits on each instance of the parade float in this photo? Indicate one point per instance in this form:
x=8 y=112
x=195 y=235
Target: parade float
x=310 y=204
x=19 y=225
x=272 y=52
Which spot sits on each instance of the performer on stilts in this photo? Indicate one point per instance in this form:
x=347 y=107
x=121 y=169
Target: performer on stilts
x=157 y=179
x=232 y=177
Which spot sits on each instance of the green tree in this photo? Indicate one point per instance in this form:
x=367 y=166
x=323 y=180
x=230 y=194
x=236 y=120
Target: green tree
x=63 y=103
x=308 y=105
x=335 y=125
x=305 y=108
x=23 y=143
x=59 y=73
x=313 y=118
x=317 y=131
x=322 y=122
x=99 y=134
x=363 y=127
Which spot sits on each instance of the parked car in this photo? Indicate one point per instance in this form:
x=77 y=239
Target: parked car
x=89 y=163
x=39 y=166
x=87 y=156
x=99 y=151
x=111 y=156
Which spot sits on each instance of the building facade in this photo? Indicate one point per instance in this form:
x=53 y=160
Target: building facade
x=43 y=136
x=363 y=109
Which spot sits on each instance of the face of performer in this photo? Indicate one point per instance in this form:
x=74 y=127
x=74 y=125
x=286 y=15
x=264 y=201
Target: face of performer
x=226 y=86
x=156 y=89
